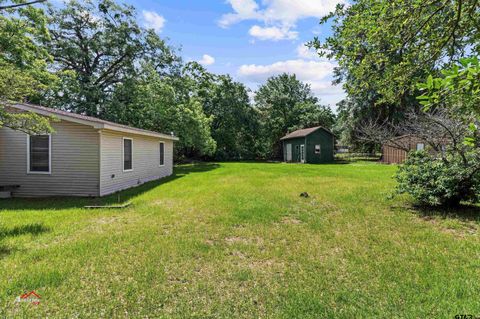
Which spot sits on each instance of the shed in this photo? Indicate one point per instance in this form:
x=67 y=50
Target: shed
x=311 y=145
x=395 y=150
x=84 y=156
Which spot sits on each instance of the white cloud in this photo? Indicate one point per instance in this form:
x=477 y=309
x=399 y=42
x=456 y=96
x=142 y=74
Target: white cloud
x=272 y=33
x=153 y=20
x=207 y=60
x=244 y=9
x=282 y=14
x=316 y=73
x=304 y=52
x=305 y=70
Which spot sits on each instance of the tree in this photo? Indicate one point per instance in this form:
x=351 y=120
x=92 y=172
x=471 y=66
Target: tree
x=384 y=48
x=15 y=4
x=234 y=121
x=235 y=125
x=286 y=104
x=152 y=102
x=23 y=68
x=448 y=170
x=458 y=86
x=99 y=45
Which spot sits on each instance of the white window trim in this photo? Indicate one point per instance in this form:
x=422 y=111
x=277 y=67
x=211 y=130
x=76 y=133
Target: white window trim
x=160 y=165
x=49 y=156
x=319 y=149
x=123 y=154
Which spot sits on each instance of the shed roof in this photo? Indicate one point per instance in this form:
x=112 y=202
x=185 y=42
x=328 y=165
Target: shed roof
x=304 y=132
x=89 y=120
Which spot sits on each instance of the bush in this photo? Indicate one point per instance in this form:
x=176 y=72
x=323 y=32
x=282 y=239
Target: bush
x=440 y=182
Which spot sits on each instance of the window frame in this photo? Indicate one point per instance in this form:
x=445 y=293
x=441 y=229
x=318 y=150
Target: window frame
x=29 y=171
x=123 y=154
x=160 y=154
x=319 y=149
x=422 y=149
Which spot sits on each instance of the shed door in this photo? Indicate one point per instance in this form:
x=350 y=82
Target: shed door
x=289 y=152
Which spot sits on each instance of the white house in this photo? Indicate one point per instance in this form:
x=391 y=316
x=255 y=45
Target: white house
x=85 y=156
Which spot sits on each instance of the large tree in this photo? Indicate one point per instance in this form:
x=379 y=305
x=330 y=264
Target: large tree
x=384 y=48
x=23 y=64
x=235 y=125
x=287 y=104
x=154 y=102
x=98 y=45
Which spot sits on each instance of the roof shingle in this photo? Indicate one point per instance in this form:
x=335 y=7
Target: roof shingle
x=34 y=107
x=303 y=132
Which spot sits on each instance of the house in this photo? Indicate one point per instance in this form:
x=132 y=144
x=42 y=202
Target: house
x=396 y=150
x=310 y=145
x=84 y=156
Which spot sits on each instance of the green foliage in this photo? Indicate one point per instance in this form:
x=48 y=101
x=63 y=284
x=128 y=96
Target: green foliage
x=23 y=65
x=384 y=48
x=151 y=102
x=455 y=177
x=98 y=45
x=286 y=104
x=433 y=181
x=458 y=86
x=387 y=46
x=235 y=125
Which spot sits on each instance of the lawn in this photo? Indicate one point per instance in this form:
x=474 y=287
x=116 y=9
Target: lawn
x=236 y=240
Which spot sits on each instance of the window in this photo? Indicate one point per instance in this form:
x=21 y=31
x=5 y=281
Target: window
x=127 y=154
x=39 y=148
x=317 y=149
x=162 y=153
x=420 y=147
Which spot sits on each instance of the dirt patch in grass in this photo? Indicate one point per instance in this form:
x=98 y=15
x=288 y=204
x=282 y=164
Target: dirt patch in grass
x=166 y=203
x=291 y=220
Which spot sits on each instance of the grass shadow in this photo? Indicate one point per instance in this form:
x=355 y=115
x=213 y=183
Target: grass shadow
x=32 y=229
x=55 y=203
x=463 y=213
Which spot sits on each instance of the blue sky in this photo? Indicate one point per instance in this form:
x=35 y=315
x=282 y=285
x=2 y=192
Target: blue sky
x=248 y=39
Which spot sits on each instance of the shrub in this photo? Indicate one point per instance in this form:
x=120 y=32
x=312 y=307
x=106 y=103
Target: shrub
x=436 y=181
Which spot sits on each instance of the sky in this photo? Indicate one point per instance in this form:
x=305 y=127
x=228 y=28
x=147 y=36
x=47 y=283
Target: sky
x=249 y=39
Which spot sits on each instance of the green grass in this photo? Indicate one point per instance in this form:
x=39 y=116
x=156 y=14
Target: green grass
x=236 y=240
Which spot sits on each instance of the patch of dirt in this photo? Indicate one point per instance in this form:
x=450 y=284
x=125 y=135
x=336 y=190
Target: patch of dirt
x=167 y=203
x=257 y=241
x=107 y=220
x=210 y=242
x=462 y=229
x=291 y=220
x=235 y=239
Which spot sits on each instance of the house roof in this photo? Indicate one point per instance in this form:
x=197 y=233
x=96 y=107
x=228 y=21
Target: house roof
x=304 y=132
x=89 y=120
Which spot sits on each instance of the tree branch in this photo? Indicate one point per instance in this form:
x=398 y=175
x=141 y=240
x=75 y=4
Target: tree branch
x=13 y=6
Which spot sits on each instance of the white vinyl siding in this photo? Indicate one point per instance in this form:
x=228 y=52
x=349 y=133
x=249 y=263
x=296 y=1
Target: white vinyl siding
x=74 y=162
x=146 y=159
